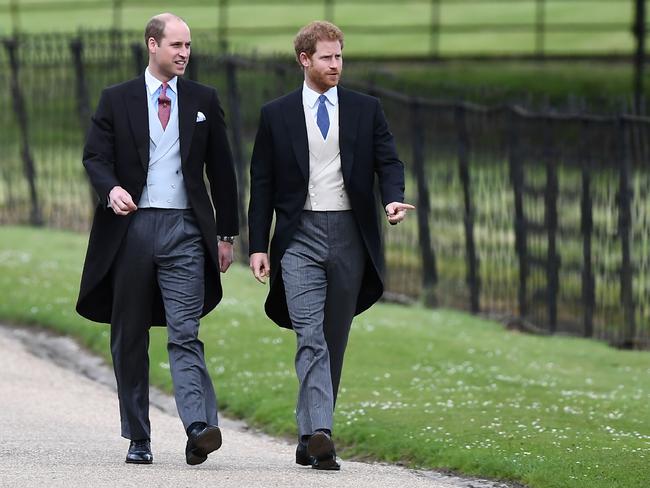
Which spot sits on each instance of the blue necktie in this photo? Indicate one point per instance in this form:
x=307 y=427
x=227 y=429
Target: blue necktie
x=322 y=117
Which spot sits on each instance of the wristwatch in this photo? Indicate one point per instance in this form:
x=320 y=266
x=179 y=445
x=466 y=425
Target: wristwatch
x=228 y=239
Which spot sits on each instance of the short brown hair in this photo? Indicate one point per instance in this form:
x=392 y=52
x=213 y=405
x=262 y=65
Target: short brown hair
x=156 y=27
x=318 y=30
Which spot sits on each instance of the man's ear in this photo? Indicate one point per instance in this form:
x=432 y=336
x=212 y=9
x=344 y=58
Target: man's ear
x=152 y=45
x=305 y=61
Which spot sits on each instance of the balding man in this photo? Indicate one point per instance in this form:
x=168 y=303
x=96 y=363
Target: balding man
x=159 y=239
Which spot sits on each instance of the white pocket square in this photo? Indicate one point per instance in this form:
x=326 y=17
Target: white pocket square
x=200 y=117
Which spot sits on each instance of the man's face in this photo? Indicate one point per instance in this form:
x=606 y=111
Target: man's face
x=170 y=57
x=323 y=68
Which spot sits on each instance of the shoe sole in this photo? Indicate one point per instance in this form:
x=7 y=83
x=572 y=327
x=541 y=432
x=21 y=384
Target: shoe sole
x=206 y=443
x=192 y=459
x=329 y=464
x=130 y=461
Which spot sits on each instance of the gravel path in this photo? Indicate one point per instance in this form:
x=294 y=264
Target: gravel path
x=60 y=428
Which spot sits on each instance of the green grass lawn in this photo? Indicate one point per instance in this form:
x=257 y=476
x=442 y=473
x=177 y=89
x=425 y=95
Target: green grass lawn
x=597 y=86
x=383 y=15
x=428 y=388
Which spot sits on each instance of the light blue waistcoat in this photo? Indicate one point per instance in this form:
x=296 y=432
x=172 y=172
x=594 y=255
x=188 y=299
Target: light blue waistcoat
x=165 y=187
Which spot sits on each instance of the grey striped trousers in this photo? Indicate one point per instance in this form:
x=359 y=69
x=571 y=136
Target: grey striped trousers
x=322 y=271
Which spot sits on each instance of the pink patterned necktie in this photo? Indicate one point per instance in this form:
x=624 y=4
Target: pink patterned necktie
x=164 y=106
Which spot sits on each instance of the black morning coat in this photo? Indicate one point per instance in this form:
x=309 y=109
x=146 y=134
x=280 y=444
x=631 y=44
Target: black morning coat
x=117 y=153
x=280 y=175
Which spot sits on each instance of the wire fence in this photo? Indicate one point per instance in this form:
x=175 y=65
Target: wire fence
x=540 y=219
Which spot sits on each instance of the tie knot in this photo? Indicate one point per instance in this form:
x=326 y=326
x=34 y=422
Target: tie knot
x=163 y=93
x=322 y=99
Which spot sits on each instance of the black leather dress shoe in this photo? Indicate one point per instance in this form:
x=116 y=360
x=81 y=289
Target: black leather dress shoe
x=139 y=452
x=201 y=441
x=302 y=457
x=321 y=448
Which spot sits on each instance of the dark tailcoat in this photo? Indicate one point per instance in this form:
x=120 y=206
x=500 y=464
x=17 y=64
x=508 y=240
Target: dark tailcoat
x=117 y=153
x=280 y=175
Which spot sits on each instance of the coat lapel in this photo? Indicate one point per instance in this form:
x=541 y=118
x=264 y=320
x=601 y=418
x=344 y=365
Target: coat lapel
x=294 y=117
x=315 y=141
x=187 y=110
x=348 y=121
x=139 y=119
x=155 y=128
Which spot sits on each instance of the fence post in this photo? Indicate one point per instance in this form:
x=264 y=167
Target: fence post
x=222 y=25
x=193 y=66
x=14 y=10
x=329 y=10
x=281 y=73
x=11 y=45
x=540 y=28
x=83 y=103
x=551 y=192
x=586 y=227
x=639 y=57
x=624 y=200
x=473 y=278
x=429 y=270
x=117 y=15
x=234 y=111
x=138 y=58
x=434 y=36
x=517 y=181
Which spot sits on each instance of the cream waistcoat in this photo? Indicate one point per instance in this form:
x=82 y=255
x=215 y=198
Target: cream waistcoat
x=326 y=190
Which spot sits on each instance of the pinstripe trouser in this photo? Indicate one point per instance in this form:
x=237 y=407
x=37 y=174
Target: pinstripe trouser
x=322 y=271
x=162 y=246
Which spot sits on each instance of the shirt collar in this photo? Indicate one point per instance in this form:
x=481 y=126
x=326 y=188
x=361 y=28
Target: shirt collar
x=153 y=83
x=310 y=97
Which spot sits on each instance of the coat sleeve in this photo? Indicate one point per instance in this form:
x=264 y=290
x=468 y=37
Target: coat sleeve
x=260 y=207
x=220 y=171
x=99 y=150
x=389 y=168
